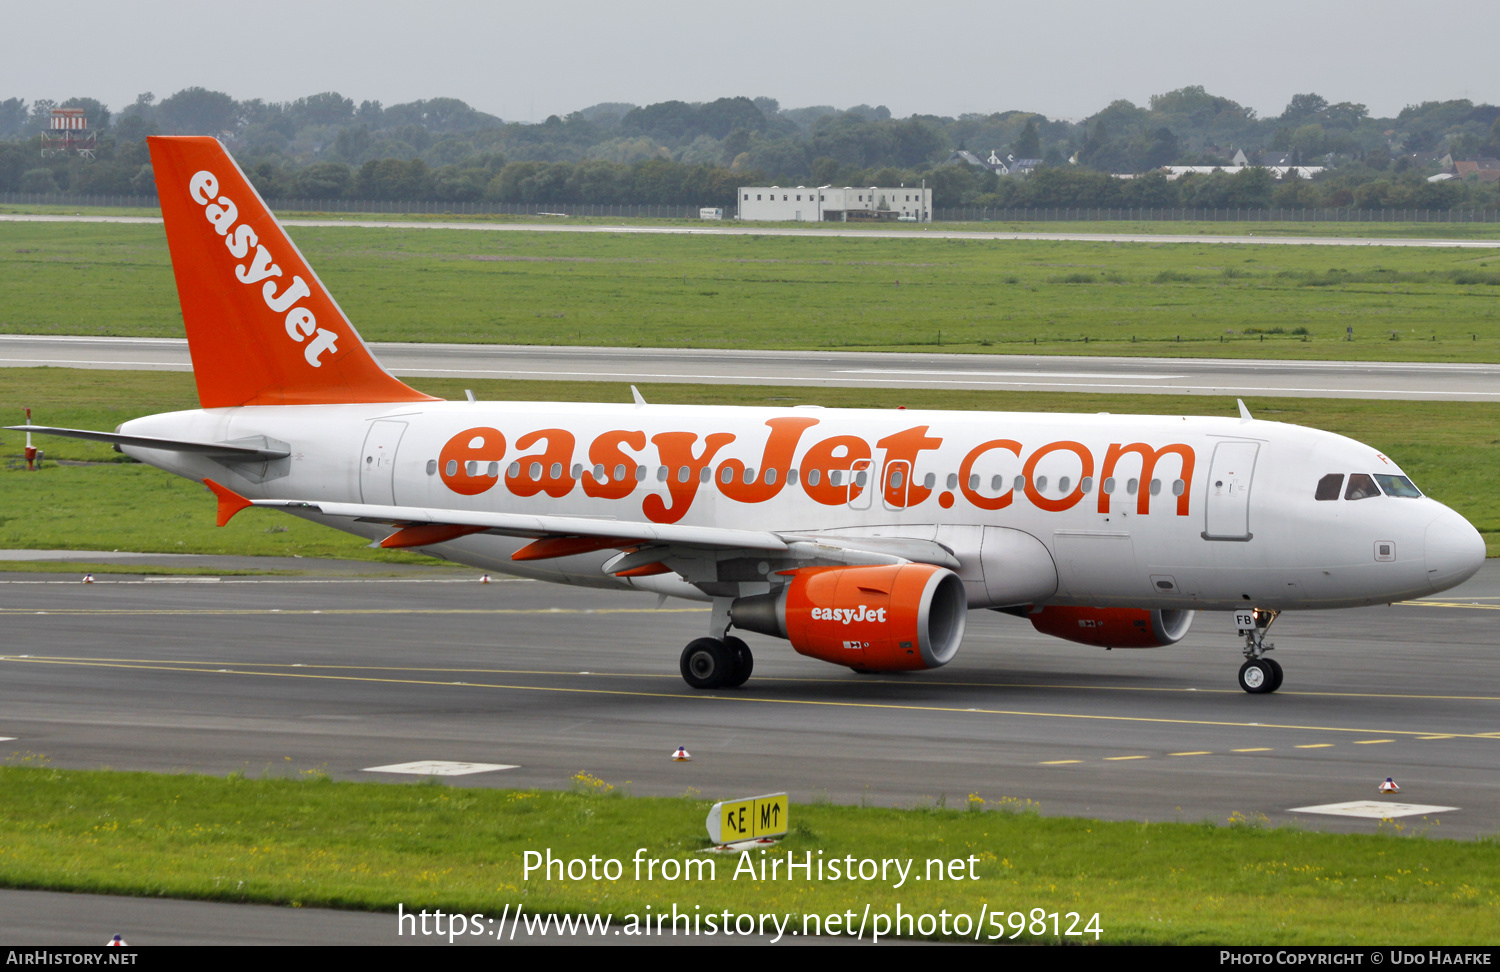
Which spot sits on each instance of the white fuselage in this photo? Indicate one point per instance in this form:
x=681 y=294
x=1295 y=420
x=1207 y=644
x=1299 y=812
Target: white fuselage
x=1131 y=511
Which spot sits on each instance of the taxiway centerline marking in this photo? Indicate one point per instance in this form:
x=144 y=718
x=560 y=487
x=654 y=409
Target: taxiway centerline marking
x=706 y=697
x=933 y=683
x=1453 y=604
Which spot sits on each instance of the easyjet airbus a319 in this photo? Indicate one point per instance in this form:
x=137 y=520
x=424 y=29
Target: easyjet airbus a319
x=862 y=537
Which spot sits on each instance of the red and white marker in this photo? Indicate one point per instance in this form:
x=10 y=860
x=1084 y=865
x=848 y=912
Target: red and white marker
x=682 y=755
x=1389 y=786
x=88 y=578
x=484 y=579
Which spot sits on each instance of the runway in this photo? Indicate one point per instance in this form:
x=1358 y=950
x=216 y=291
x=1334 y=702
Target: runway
x=343 y=674
x=929 y=232
x=834 y=369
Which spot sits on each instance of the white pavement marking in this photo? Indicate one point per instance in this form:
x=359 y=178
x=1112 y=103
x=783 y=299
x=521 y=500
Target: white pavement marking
x=1006 y=374
x=1373 y=809
x=439 y=767
x=914 y=234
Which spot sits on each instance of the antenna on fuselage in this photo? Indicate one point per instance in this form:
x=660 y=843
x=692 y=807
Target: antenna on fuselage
x=1245 y=415
x=640 y=400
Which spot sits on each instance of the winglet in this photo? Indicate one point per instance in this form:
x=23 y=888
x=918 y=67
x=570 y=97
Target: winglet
x=230 y=502
x=1245 y=415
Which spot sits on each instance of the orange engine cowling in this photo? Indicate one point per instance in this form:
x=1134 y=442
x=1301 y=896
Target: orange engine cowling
x=1113 y=627
x=873 y=619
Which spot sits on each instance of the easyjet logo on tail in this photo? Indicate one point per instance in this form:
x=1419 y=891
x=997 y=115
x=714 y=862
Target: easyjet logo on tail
x=301 y=324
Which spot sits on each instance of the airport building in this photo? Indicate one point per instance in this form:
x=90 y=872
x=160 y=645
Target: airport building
x=830 y=204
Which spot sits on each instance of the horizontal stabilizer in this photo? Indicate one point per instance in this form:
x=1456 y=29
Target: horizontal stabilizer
x=214 y=450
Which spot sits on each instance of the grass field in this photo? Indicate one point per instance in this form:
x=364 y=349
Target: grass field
x=310 y=841
x=1451 y=450
x=793 y=292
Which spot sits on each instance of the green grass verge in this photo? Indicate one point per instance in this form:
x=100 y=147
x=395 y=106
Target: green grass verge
x=371 y=846
x=1451 y=450
x=1191 y=299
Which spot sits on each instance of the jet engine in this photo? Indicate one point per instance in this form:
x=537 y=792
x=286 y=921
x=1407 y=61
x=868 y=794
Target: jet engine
x=874 y=619
x=1113 y=627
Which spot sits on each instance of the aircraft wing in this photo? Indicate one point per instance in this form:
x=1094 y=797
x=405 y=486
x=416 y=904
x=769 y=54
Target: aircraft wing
x=645 y=544
x=537 y=526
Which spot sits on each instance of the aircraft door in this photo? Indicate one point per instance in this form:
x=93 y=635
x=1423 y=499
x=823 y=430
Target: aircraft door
x=377 y=463
x=1227 y=511
x=895 y=483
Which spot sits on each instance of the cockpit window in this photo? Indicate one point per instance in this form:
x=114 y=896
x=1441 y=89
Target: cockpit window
x=1398 y=486
x=1361 y=487
x=1330 y=485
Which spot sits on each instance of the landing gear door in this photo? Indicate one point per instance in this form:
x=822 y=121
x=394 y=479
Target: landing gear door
x=1227 y=511
x=377 y=463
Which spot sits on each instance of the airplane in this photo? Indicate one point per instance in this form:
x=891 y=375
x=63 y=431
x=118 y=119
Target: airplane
x=861 y=536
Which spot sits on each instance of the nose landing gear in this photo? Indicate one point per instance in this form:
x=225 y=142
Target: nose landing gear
x=1259 y=675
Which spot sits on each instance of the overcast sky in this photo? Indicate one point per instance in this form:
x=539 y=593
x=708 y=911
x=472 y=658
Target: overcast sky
x=525 y=61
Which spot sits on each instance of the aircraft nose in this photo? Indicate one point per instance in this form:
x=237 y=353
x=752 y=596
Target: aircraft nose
x=1454 y=551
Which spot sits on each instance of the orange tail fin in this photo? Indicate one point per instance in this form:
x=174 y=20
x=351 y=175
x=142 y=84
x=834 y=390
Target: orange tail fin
x=261 y=327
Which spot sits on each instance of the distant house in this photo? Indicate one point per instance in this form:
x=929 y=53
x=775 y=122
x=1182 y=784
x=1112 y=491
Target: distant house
x=966 y=157
x=1010 y=165
x=1482 y=170
x=1425 y=160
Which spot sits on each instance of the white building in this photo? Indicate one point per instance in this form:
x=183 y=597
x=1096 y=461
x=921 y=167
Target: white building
x=826 y=203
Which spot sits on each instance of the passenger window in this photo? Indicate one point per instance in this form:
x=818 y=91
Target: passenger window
x=1361 y=487
x=1329 y=487
x=1398 y=486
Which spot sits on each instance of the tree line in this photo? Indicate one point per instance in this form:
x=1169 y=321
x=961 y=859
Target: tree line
x=326 y=146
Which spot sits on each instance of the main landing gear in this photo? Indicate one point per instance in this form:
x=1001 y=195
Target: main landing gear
x=1259 y=675
x=710 y=663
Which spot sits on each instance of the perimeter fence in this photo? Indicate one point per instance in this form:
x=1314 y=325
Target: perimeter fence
x=1041 y=214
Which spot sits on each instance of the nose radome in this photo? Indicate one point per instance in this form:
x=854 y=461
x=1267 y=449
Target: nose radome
x=1454 y=551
